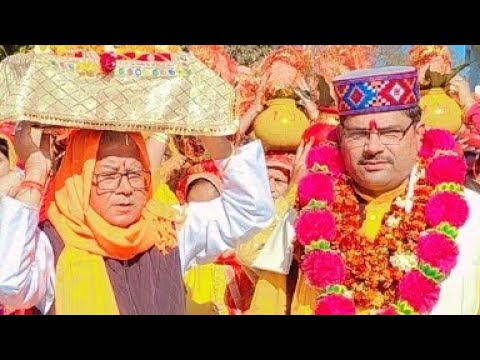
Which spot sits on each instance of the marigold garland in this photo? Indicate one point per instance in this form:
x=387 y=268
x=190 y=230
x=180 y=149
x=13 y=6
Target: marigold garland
x=401 y=270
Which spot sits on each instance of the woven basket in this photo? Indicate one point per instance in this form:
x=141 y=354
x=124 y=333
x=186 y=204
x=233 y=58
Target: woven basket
x=178 y=96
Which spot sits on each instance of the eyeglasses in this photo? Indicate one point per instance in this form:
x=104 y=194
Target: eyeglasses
x=138 y=180
x=357 y=138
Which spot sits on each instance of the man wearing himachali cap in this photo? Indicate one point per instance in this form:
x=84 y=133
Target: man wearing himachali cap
x=391 y=229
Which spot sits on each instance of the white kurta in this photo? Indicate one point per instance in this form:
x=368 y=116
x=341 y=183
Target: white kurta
x=245 y=207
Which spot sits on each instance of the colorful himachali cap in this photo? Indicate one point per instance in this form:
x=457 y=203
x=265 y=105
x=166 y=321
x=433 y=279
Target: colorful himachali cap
x=377 y=90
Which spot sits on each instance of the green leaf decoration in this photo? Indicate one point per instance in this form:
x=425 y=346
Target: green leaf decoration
x=321 y=168
x=336 y=289
x=432 y=273
x=455 y=71
x=321 y=245
x=449 y=187
x=434 y=79
x=448 y=230
x=404 y=308
x=316 y=205
x=325 y=98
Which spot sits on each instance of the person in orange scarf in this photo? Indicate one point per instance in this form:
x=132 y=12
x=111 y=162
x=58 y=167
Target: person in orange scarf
x=108 y=247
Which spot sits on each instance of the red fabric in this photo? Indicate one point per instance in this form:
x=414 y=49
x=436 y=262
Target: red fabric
x=239 y=284
x=281 y=161
x=472 y=123
x=47 y=199
x=328 y=110
x=156 y=57
x=323 y=134
x=207 y=166
x=8 y=130
x=5 y=311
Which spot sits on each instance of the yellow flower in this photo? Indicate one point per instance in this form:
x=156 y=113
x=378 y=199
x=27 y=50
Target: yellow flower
x=122 y=49
x=161 y=48
x=61 y=49
x=138 y=50
x=174 y=48
x=167 y=48
x=88 y=68
x=146 y=49
x=378 y=300
x=181 y=71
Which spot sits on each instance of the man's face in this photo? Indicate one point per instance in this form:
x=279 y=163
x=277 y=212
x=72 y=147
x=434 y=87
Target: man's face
x=380 y=150
x=119 y=200
x=278 y=182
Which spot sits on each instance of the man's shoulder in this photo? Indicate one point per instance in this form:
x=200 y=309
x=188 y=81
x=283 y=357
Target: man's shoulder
x=468 y=233
x=473 y=200
x=472 y=197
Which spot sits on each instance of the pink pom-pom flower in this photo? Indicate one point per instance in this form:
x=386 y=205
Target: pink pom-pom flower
x=389 y=310
x=438 y=251
x=335 y=305
x=447 y=168
x=421 y=293
x=436 y=139
x=315 y=225
x=446 y=207
x=108 y=62
x=327 y=156
x=323 y=268
x=315 y=187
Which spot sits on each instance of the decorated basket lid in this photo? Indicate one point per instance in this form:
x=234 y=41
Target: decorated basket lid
x=116 y=87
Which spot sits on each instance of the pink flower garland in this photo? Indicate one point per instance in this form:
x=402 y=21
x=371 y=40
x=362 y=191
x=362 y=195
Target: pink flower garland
x=315 y=186
x=436 y=139
x=329 y=156
x=314 y=226
x=438 y=251
x=419 y=289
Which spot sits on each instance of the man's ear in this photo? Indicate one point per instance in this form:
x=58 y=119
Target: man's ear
x=419 y=132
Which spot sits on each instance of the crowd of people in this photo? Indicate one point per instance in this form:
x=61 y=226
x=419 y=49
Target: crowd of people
x=345 y=189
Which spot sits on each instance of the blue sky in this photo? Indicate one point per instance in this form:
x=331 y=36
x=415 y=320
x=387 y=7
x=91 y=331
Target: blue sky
x=458 y=51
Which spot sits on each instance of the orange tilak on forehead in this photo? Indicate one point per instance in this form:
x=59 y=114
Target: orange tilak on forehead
x=372 y=125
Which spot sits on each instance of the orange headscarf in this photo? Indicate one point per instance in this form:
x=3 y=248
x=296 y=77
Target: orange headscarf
x=88 y=238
